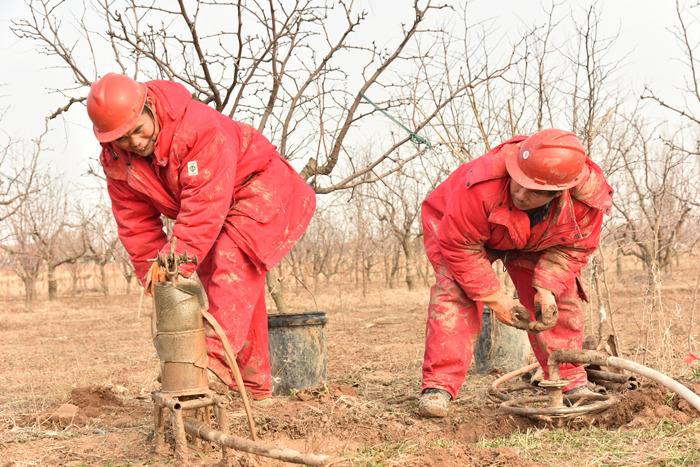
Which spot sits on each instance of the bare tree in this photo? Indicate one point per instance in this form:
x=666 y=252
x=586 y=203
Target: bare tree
x=324 y=246
x=397 y=203
x=51 y=222
x=278 y=65
x=18 y=162
x=368 y=243
x=121 y=257
x=101 y=239
x=23 y=253
x=686 y=32
x=655 y=192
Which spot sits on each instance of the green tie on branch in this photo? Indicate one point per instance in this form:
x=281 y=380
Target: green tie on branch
x=415 y=137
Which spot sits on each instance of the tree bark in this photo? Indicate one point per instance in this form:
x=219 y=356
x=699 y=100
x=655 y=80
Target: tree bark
x=51 y=280
x=103 y=280
x=410 y=256
x=394 y=268
x=29 y=291
x=275 y=285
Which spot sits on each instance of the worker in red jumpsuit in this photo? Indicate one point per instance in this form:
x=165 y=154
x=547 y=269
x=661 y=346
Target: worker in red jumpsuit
x=536 y=203
x=238 y=206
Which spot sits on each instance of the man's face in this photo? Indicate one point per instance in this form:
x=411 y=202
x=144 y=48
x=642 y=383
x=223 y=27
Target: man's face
x=525 y=199
x=141 y=138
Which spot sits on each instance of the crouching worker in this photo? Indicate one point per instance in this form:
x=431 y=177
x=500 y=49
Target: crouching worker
x=536 y=203
x=238 y=206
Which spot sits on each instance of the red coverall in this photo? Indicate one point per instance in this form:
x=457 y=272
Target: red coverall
x=238 y=207
x=468 y=222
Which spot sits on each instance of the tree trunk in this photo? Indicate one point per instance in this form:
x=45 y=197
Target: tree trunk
x=29 y=291
x=357 y=263
x=275 y=285
x=394 y=268
x=366 y=271
x=387 y=273
x=51 y=280
x=410 y=256
x=103 y=280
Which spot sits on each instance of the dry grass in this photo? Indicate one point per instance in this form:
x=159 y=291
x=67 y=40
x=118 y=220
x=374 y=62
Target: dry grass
x=375 y=346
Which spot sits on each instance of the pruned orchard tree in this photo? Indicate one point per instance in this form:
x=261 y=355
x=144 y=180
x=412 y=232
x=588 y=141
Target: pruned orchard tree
x=18 y=181
x=23 y=252
x=101 y=240
x=279 y=65
x=18 y=164
x=121 y=257
x=276 y=64
x=50 y=218
x=396 y=201
x=370 y=240
x=687 y=31
x=654 y=198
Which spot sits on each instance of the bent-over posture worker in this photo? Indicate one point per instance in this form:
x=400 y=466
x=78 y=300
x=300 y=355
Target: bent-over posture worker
x=238 y=206
x=536 y=203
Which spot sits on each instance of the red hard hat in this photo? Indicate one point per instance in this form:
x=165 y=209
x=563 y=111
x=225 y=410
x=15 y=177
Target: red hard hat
x=114 y=105
x=549 y=160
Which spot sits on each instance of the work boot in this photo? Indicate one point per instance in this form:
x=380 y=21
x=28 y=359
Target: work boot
x=434 y=403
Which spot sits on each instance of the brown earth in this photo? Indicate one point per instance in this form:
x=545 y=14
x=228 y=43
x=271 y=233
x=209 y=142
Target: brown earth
x=95 y=354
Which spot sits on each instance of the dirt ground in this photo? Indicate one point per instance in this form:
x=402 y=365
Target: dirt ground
x=95 y=354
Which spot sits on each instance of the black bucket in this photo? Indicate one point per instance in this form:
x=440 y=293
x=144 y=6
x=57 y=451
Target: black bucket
x=297 y=351
x=500 y=348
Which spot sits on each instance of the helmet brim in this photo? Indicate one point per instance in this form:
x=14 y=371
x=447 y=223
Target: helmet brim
x=523 y=180
x=109 y=136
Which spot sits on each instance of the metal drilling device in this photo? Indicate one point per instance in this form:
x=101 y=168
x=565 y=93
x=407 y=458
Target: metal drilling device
x=185 y=399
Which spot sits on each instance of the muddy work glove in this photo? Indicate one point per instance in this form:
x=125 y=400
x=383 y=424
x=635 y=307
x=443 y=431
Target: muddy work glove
x=546 y=311
x=508 y=310
x=154 y=275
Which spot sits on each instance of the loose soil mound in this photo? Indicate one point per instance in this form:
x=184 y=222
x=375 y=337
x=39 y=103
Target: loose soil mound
x=645 y=407
x=94 y=396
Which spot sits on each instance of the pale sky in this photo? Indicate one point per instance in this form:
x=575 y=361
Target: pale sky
x=643 y=33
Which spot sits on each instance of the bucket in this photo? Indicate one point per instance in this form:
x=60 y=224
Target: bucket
x=297 y=351
x=500 y=348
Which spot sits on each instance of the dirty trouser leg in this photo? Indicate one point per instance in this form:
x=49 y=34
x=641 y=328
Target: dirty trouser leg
x=254 y=357
x=236 y=292
x=568 y=332
x=452 y=327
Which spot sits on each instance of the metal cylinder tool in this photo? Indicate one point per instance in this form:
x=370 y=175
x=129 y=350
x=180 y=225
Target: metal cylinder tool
x=179 y=338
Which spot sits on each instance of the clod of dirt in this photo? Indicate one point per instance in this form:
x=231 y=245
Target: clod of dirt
x=683 y=405
x=94 y=396
x=64 y=414
x=488 y=423
x=643 y=408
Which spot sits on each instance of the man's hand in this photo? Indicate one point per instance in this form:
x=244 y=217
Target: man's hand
x=508 y=310
x=546 y=311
